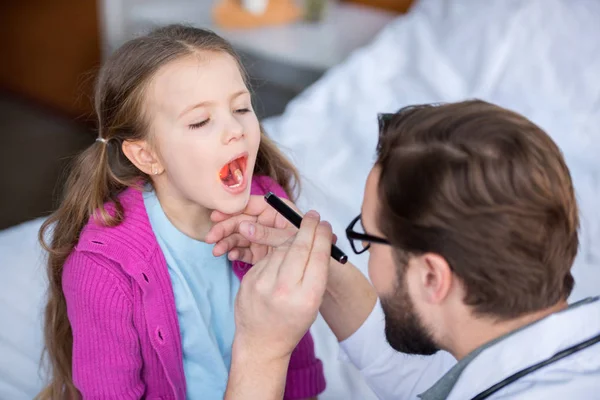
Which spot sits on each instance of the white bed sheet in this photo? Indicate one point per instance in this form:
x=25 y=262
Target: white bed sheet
x=22 y=290
x=538 y=57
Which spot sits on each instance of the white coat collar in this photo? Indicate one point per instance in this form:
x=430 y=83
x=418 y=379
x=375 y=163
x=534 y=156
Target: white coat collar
x=528 y=346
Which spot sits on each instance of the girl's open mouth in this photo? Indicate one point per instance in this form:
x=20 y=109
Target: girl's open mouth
x=232 y=174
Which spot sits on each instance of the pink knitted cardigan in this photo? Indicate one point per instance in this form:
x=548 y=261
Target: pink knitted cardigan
x=126 y=338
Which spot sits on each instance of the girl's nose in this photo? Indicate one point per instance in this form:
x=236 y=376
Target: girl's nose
x=233 y=130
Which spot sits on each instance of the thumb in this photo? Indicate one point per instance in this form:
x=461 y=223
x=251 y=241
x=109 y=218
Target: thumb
x=261 y=234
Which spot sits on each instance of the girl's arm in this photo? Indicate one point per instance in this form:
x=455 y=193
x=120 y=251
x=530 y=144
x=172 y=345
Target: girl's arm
x=305 y=376
x=107 y=361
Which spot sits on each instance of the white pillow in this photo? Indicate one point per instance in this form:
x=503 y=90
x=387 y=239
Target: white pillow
x=22 y=299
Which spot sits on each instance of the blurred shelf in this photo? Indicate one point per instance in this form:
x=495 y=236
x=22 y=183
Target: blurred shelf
x=281 y=60
x=317 y=46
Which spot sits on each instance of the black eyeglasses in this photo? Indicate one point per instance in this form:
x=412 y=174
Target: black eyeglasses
x=360 y=241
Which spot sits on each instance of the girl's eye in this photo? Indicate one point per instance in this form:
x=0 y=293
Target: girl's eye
x=199 y=124
x=243 y=111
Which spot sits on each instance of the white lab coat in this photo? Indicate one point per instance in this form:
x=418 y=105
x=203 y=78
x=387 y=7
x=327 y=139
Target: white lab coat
x=395 y=376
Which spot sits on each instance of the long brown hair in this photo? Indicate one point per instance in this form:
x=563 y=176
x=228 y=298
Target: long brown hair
x=103 y=171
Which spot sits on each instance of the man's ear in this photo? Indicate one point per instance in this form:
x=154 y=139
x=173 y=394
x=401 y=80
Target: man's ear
x=435 y=276
x=142 y=156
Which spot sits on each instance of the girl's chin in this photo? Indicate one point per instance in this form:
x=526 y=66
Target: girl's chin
x=234 y=205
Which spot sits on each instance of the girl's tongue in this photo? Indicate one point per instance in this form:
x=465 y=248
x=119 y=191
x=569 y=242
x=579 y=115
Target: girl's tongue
x=232 y=174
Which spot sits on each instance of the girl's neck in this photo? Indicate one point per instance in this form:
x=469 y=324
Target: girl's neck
x=190 y=218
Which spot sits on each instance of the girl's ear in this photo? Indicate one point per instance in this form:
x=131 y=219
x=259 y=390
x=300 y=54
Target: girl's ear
x=142 y=156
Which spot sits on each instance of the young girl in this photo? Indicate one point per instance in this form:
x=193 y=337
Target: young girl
x=138 y=305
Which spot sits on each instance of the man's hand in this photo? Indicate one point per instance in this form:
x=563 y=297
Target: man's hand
x=278 y=301
x=252 y=234
x=259 y=222
x=279 y=297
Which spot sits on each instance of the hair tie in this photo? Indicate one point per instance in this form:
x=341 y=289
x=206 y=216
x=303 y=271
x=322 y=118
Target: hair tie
x=102 y=140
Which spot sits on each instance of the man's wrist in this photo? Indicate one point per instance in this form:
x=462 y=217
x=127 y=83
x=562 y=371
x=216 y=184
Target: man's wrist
x=348 y=300
x=255 y=374
x=339 y=280
x=247 y=353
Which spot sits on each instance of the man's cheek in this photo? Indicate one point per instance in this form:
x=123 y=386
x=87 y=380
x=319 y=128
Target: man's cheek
x=382 y=274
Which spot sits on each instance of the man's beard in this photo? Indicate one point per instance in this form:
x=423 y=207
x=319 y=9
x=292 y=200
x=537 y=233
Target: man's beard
x=404 y=329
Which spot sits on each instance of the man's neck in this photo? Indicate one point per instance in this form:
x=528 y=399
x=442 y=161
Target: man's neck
x=474 y=332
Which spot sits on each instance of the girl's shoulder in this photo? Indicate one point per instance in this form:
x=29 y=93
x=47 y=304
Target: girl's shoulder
x=126 y=243
x=84 y=272
x=134 y=227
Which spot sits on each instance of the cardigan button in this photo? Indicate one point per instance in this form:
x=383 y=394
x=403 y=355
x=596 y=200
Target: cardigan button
x=159 y=335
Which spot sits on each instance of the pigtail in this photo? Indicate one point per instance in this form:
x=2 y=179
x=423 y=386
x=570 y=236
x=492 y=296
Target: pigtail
x=89 y=186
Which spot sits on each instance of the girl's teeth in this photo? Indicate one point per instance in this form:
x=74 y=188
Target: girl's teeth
x=239 y=176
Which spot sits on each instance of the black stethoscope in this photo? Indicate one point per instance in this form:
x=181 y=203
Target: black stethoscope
x=518 y=375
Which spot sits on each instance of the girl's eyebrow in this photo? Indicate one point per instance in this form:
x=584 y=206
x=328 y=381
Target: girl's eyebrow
x=207 y=103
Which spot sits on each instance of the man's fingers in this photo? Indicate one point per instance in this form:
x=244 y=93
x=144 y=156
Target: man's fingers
x=226 y=228
x=261 y=234
x=228 y=243
x=270 y=265
x=316 y=272
x=241 y=254
x=298 y=253
x=249 y=229
x=233 y=255
x=218 y=216
x=256 y=210
x=272 y=218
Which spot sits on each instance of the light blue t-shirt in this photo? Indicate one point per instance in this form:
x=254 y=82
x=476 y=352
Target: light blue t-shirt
x=205 y=287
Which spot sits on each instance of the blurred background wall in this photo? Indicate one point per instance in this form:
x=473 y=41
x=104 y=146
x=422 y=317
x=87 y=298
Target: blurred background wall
x=51 y=51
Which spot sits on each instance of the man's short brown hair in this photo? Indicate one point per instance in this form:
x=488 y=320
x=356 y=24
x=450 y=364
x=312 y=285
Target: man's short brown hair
x=490 y=192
